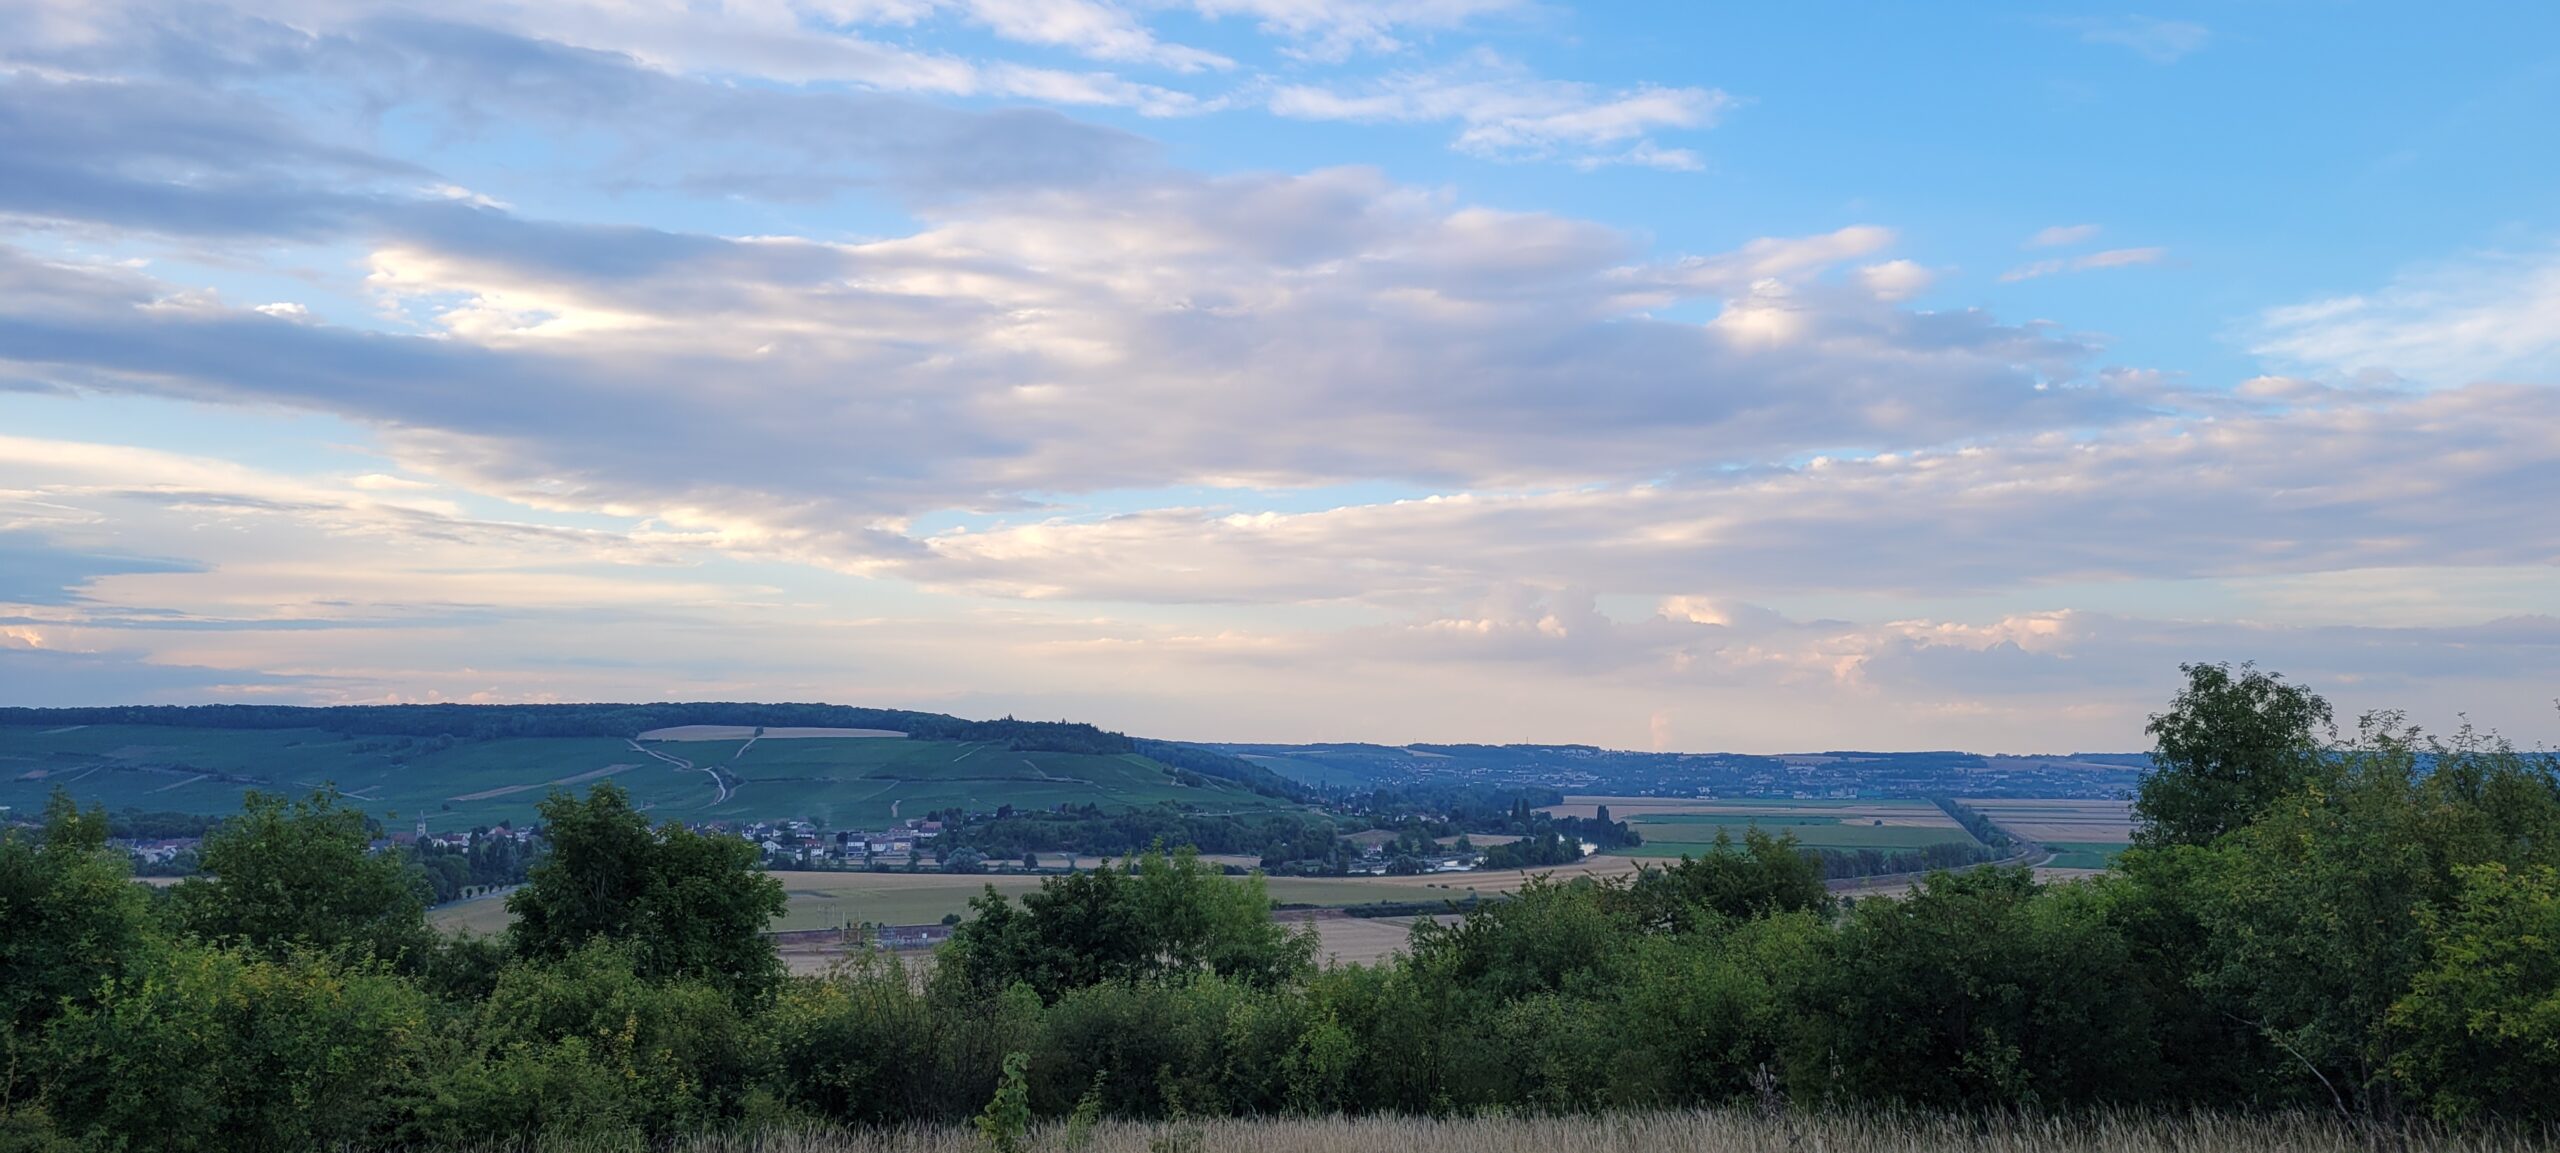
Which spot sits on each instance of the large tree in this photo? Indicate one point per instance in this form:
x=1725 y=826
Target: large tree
x=2233 y=741
x=287 y=875
x=70 y=916
x=2326 y=911
x=689 y=905
x=1164 y=915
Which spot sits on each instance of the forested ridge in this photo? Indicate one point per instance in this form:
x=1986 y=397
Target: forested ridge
x=2355 y=924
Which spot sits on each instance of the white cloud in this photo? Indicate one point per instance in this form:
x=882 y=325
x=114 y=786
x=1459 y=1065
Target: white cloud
x=2394 y=482
x=1503 y=112
x=1273 y=330
x=2111 y=258
x=2494 y=316
x=1673 y=490
x=1896 y=279
x=1334 y=29
x=1099 y=30
x=2158 y=41
x=2063 y=235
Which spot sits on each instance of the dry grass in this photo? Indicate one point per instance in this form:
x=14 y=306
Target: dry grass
x=831 y=900
x=1707 y=1132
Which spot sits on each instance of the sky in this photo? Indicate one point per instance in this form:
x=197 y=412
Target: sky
x=1709 y=376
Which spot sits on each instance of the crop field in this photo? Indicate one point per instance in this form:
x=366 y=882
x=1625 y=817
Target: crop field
x=2060 y=822
x=481 y=916
x=841 y=781
x=2082 y=854
x=827 y=900
x=1362 y=940
x=833 y=900
x=1672 y=826
x=1912 y=814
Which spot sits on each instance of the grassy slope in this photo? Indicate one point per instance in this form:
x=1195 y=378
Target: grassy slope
x=843 y=782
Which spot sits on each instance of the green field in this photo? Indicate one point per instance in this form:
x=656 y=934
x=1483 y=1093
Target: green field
x=2084 y=855
x=1675 y=834
x=842 y=782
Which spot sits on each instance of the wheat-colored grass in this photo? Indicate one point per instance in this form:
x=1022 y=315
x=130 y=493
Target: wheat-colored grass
x=1686 y=1132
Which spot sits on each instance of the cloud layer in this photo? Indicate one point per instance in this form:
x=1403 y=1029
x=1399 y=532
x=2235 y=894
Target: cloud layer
x=778 y=352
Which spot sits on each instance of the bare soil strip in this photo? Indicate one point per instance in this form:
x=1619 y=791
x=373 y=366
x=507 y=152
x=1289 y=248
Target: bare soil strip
x=511 y=790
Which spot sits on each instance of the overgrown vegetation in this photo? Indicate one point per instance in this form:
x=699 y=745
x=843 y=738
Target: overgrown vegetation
x=2365 y=932
x=1703 y=1131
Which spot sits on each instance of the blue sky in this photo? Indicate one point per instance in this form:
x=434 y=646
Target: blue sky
x=1702 y=376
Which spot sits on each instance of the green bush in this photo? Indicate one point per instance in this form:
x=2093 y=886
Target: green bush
x=216 y=1048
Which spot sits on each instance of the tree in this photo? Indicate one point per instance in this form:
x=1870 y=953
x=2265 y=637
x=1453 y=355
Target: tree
x=587 y=1046
x=1763 y=875
x=2480 y=1026
x=690 y=906
x=1981 y=990
x=217 y=1047
x=70 y=917
x=2318 y=914
x=287 y=875
x=1171 y=916
x=1007 y=1117
x=2232 y=741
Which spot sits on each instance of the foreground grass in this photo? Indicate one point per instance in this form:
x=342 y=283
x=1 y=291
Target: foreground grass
x=1698 y=1132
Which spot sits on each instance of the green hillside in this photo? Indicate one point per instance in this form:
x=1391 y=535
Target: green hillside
x=454 y=782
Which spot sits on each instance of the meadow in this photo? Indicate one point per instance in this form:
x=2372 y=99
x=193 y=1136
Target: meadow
x=1714 y=1131
x=840 y=781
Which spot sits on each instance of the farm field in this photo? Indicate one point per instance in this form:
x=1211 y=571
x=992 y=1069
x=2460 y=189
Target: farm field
x=2060 y=822
x=1907 y=813
x=827 y=900
x=841 y=781
x=1672 y=826
x=1340 y=941
x=483 y=916
x=1362 y=940
x=2082 y=855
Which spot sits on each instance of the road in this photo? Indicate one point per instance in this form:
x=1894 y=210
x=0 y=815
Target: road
x=718 y=779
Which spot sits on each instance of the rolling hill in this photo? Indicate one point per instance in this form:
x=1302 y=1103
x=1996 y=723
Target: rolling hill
x=461 y=766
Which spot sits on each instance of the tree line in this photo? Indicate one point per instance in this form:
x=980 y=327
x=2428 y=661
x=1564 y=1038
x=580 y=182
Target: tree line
x=2359 y=924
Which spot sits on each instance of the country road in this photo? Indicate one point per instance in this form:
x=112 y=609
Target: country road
x=718 y=779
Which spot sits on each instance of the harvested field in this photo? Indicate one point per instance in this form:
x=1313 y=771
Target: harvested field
x=2060 y=821
x=1360 y=940
x=485 y=915
x=1337 y=891
x=744 y=732
x=828 y=900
